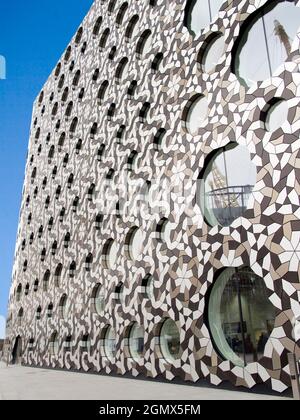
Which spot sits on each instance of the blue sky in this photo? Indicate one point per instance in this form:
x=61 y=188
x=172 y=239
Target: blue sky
x=34 y=34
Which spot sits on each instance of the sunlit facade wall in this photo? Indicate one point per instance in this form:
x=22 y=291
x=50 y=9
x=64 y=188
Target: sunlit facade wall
x=159 y=226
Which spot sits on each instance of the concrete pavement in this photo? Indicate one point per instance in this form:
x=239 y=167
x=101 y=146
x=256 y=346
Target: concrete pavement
x=23 y=383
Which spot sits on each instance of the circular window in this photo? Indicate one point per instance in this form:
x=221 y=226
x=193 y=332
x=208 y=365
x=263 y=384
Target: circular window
x=163 y=230
x=227 y=183
x=276 y=115
x=54 y=344
x=110 y=343
x=269 y=33
x=195 y=113
x=240 y=315
x=144 y=44
x=122 y=69
x=63 y=308
x=134 y=243
x=136 y=341
x=148 y=286
x=99 y=299
x=119 y=293
x=110 y=253
x=170 y=340
x=212 y=52
x=132 y=28
x=199 y=14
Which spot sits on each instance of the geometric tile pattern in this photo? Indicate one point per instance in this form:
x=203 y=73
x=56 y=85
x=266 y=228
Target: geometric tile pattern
x=266 y=238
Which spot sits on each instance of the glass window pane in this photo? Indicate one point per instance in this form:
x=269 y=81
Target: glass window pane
x=197 y=113
x=227 y=185
x=136 y=341
x=241 y=317
x=136 y=244
x=270 y=35
x=170 y=340
x=110 y=343
x=100 y=300
x=277 y=115
x=201 y=13
x=213 y=53
x=112 y=256
x=150 y=287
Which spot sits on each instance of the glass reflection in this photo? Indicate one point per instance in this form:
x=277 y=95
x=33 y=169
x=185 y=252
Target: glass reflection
x=147 y=45
x=99 y=300
x=136 y=341
x=63 y=307
x=112 y=255
x=170 y=340
x=110 y=343
x=200 y=13
x=277 y=115
x=197 y=114
x=241 y=317
x=213 y=53
x=148 y=285
x=227 y=185
x=136 y=244
x=270 y=35
x=54 y=344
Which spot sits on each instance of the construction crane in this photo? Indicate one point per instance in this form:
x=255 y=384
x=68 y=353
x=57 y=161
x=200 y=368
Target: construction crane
x=224 y=199
x=282 y=35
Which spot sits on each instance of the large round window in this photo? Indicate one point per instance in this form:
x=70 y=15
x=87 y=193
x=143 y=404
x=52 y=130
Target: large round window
x=269 y=33
x=199 y=13
x=170 y=340
x=136 y=341
x=240 y=315
x=110 y=343
x=226 y=185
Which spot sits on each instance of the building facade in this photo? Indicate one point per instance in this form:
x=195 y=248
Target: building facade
x=159 y=230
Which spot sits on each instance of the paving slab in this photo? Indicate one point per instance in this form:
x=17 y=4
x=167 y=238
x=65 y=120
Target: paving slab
x=25 y=383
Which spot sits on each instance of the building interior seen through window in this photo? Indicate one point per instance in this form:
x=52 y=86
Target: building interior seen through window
x=241 y=316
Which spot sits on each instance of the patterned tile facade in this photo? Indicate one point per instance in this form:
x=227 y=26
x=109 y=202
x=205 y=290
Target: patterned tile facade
x=266 y=237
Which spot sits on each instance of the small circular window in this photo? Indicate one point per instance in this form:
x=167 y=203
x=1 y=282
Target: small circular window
x=148 y=286
x=134 y=243
x=144 y=44
x=110 y=253
x=170 y=340
x=226 y=185
x=276 y=114
x=240 y=315
x=54 y=344
x=195 y=113
x=164 y=230
x=110 y=343
x=136 y=341
x=63 y=307
x=210 y=55
x=99 y=299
